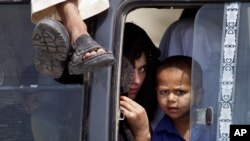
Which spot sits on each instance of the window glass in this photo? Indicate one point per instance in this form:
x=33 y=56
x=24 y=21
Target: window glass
x=241 y=111
x=207 y=52
x=33 y=107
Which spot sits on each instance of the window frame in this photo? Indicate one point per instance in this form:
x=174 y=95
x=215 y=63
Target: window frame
x=124 y=9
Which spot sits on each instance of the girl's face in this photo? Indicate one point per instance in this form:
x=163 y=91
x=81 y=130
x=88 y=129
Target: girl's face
x=139 y=76
x=174 y=93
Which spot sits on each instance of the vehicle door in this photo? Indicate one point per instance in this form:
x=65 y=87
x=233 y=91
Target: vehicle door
x=221 y=46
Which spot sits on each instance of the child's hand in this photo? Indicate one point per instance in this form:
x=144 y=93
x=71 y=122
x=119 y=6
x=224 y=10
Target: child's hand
x=136 y=117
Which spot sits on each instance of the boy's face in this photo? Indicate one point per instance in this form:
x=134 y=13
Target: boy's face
x=139 y=76
x=174 y=93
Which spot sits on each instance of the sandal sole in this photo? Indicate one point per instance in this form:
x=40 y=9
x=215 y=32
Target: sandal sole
x=51 y=43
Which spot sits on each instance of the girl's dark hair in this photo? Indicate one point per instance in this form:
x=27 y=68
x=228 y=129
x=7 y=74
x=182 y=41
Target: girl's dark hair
x=136 y=41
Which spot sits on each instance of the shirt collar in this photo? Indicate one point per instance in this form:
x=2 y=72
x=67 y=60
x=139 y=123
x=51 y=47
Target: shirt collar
x=165 y=125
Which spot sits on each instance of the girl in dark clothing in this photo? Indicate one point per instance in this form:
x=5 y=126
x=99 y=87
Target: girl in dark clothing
x=142 y=54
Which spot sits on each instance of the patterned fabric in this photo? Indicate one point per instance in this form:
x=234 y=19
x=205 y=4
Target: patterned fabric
x=127 y=74
x=228 y=69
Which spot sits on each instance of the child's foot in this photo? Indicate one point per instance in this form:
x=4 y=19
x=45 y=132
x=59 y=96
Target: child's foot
x=88 y=56
x=52 y=46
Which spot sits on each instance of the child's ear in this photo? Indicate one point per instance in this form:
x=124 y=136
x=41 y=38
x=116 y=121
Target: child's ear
x=199 y=94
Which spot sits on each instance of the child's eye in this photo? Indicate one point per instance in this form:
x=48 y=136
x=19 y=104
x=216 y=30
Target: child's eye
x=180 y=92
x=163 y=92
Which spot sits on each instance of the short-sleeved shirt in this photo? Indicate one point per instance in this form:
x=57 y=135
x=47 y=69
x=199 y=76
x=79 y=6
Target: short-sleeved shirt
x=165 y=131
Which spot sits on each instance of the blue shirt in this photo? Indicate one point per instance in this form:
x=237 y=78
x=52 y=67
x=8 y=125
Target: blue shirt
x=165 y=131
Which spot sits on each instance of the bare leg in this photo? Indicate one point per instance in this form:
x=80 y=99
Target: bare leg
x=74 y=24
x=51 y=43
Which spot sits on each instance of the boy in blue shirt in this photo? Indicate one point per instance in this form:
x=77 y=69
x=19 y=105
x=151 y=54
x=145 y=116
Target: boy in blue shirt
x=174 y=97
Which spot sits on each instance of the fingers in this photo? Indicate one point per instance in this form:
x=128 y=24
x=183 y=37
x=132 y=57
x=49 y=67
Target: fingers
x=131 y=109
x=129 y=104
x=136 y=117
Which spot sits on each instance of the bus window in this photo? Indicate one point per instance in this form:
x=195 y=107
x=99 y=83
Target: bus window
x=207 y=51
x=224 y=102
x=33 y=107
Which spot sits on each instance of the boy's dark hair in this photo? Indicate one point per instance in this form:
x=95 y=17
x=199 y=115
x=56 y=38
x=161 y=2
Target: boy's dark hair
x=183 y=62
x=135 y=42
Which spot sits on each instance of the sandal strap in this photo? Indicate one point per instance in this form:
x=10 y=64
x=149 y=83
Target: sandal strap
x=84 y=44
x=81 y=46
